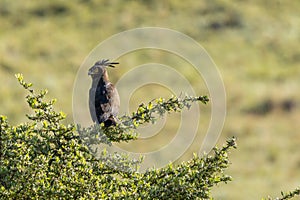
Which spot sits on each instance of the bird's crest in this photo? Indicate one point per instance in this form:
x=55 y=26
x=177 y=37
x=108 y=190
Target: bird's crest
x=99 y=67
x=105 y=62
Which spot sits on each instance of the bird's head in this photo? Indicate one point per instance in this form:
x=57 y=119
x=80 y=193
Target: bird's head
x=99 y=68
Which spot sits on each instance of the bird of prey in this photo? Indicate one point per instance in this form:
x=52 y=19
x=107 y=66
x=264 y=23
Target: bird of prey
x=104 y=101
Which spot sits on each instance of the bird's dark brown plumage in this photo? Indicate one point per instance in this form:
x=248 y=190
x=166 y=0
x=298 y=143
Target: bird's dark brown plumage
x=104 y=101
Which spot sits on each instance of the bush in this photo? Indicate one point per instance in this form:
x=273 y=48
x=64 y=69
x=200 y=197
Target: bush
x=45 y=159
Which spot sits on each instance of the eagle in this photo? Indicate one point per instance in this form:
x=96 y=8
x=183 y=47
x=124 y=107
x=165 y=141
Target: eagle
x=104 y=100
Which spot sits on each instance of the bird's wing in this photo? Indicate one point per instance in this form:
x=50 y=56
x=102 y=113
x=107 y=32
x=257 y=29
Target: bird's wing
x=99 y=104
x=102 y=106
x=112 y=104
x=104 y=102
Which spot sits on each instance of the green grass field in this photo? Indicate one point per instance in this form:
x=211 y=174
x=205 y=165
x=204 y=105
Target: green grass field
x=253 y=43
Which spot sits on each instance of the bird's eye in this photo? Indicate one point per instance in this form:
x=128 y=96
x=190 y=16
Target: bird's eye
x=95 y=70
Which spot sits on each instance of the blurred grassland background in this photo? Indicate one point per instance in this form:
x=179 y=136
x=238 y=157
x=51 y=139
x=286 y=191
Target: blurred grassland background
x=254 y=43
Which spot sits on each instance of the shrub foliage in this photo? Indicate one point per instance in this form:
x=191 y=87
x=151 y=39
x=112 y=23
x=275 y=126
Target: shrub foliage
x=43 y=158
x=46 y=159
